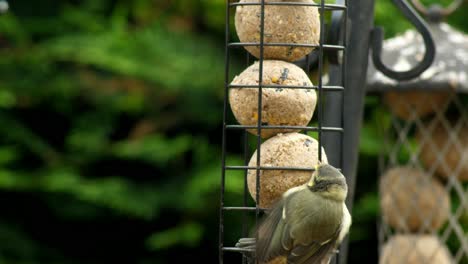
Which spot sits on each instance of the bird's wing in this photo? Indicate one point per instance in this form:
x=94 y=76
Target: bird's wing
x=323 y=233
x=273 y=235
x=317 y=252
x=313 y=253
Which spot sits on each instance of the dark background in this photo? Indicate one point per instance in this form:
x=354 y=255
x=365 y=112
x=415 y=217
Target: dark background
x=110 y=131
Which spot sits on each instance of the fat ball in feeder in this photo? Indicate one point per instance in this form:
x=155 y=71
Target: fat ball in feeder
x=291 y=24
x=450 y=141
x=280 y=106
x=415 y=249
x=283 y=150
x=412 y=201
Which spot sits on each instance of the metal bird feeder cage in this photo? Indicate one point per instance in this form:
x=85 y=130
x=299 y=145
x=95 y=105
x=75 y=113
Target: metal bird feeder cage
x=339 y=59
x=424 y=159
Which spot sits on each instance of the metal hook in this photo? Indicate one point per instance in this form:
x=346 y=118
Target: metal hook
x=377 y=43
x=443 y=11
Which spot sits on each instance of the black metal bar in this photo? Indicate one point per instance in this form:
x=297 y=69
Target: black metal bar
x=223 y=143
x=271 y=168
x=259 y=114
x=333 y=113
x=283 y=44
x=342 y=257
x=329 y=88
x=246 y=162
x=328 y=129
x=320 y=73
x=345 y=39
x=360 y=18
x=236 y=249
x=241 y=208
x=268 y=168
x=333 y=116
x=244 y=202
x=422 y=28
x=327 y=6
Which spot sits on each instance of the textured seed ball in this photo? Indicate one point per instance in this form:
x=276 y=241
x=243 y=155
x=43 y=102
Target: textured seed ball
x=409 y=198
x=453 y=155
x=283 y=150
x=411 y=105
x=280 y=106
x=415 y=249
x=283 y=24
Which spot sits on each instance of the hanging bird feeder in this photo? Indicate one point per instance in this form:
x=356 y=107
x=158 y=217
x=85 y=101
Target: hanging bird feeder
x=289 y=123
x=424 y=161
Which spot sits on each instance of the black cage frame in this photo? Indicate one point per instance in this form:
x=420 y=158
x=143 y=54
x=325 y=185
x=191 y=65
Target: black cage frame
x=339 y=120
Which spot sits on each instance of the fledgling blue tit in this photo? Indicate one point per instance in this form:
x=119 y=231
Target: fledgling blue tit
x=307 y=224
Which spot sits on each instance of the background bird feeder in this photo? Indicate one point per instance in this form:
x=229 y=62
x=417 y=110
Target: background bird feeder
x=424 y=159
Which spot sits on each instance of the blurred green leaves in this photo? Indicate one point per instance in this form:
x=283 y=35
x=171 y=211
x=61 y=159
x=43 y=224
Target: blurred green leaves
x=155 y=149
x=99 y=102
x=114 y=193
x=134 y=54
x=365 y=213
x=187 y=234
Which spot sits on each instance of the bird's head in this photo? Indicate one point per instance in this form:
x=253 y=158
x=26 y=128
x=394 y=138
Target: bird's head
x=328 y=182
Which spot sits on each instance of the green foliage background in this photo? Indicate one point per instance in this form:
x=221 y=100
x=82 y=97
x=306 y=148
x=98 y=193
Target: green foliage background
x=110 y=131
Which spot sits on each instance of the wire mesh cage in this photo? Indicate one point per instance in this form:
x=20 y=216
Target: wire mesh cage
x=423 y=197
x=423 y=183
x=279 y=111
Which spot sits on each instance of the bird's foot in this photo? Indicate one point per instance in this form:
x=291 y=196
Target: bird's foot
x=247 y=243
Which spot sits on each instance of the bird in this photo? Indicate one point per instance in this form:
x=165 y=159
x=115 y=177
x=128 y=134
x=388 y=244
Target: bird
x=307 y=224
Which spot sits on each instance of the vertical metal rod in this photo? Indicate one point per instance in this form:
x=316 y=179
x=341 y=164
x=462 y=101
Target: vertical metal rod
x=333 y=113
x=223 y=143
x=246 y=163
x=361 y=18
x=333 y=109
x=320 y=72
x=342 y=257
x=244 y=202
x=259 y=114
x=332 y=116
x=308 y=64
